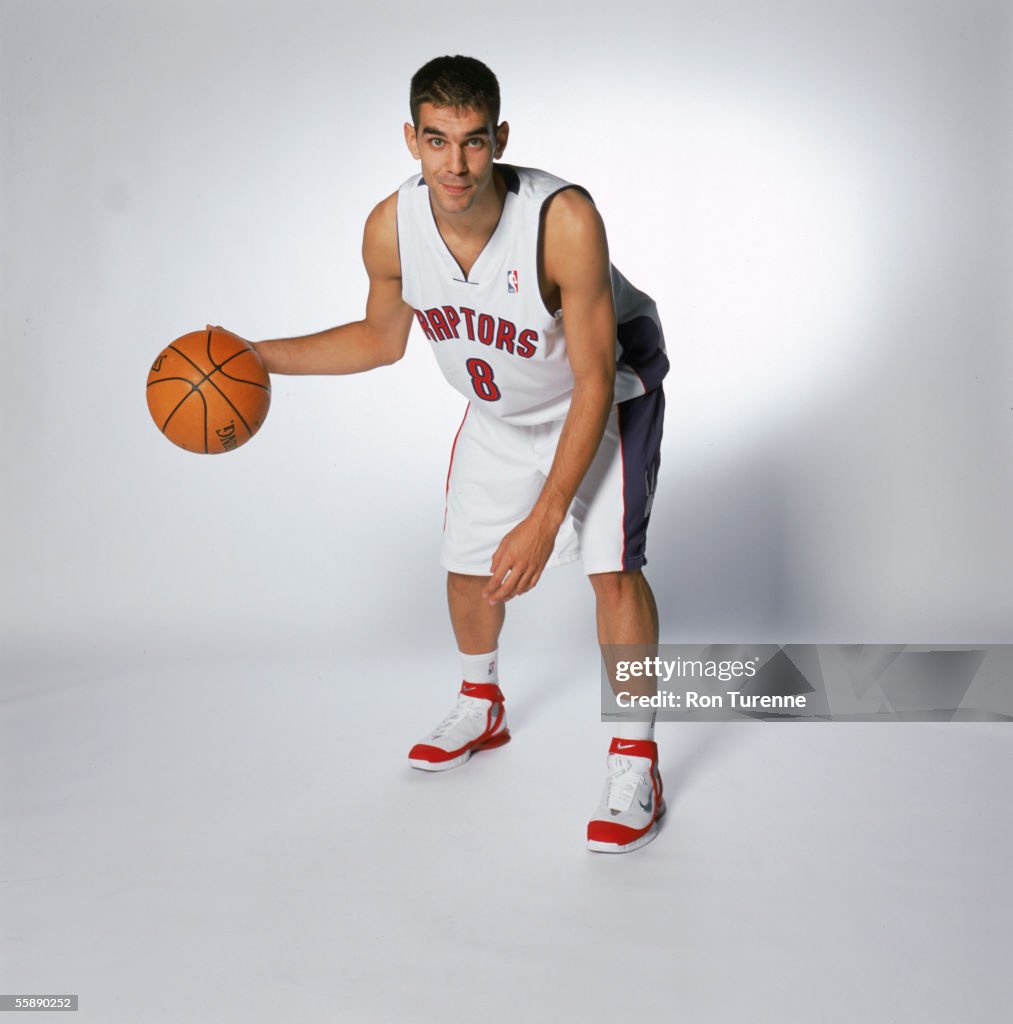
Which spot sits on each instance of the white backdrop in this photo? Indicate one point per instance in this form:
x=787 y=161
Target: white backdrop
x=815 y=193
x=213 y=666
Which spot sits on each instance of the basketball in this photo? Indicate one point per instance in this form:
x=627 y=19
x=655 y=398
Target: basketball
x=208 y=392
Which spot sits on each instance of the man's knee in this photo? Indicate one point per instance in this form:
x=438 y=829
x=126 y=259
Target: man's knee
x=616 y=587
x=460 y=584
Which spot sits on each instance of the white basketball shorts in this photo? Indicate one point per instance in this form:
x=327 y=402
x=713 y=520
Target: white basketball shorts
x=497 y=471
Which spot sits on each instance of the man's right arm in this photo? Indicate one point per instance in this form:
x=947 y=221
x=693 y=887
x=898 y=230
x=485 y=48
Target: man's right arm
x=380 y=338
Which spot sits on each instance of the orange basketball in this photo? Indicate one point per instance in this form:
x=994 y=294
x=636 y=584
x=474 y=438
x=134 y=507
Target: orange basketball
x=208 y=392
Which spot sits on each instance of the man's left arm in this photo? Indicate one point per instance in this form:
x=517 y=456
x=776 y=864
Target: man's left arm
x=576 y=259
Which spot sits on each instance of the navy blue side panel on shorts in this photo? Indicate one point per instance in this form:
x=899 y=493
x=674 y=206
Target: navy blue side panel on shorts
x=640 y=340
x=641 y=423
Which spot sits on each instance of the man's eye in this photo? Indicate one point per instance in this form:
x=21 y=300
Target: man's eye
x=476 y=143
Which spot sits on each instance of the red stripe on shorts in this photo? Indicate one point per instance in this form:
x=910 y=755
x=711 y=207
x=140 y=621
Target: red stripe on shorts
x=453 y=448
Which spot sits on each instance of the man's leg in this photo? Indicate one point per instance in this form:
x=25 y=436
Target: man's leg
x=627 y=614
x=625 y=608
x=476 y=623
x=478 y=720
x=632 y=802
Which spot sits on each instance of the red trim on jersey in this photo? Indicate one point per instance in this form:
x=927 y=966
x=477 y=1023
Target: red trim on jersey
x=622 y=461
x=453 y=448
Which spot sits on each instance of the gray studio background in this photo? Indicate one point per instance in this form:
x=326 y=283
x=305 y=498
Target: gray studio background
x=816 y=193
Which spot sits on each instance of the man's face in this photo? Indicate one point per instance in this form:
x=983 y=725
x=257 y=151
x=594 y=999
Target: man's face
x=457 y=149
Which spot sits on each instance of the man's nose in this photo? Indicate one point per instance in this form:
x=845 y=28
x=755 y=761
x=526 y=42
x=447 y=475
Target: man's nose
x=458 y=165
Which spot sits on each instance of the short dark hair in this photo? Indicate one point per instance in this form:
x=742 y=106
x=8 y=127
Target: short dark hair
x=463 y=83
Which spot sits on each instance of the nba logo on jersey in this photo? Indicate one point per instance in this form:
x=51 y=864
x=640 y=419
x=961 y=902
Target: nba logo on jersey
x=512 y=288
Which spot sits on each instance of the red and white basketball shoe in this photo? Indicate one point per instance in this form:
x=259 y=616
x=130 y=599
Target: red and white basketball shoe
x=477 y=722
x=627 y=817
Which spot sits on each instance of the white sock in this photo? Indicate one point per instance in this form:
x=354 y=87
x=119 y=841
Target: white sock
x=480 y=668
x=634 y=730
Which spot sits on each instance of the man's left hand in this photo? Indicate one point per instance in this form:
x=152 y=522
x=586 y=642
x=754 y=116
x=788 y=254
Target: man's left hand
x=520 y=559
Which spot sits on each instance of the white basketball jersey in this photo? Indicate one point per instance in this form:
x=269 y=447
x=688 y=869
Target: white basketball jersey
x=490 y=331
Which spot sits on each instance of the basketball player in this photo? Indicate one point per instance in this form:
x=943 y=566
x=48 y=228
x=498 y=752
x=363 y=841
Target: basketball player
x=506 y=272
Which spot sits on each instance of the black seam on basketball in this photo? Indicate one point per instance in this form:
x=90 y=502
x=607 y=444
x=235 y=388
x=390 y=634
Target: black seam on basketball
x=163 y=380
x=224 y=362
x=205 y=401
x=218 y=368
x=243 y=380
x=193 y=388
x=234 y=409
x=207 y=377
x=173 y=413
x=240 y=380
x=192 y=391
x=194 y=365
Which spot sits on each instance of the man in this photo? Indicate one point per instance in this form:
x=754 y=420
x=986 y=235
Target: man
x=506 y=271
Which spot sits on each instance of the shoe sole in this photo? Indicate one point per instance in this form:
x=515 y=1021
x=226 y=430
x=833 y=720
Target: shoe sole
x=598 y=847
x=441 y=766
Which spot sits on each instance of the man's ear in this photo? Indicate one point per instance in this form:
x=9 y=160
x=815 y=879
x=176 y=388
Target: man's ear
x=502 y=134
x=411 y=140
